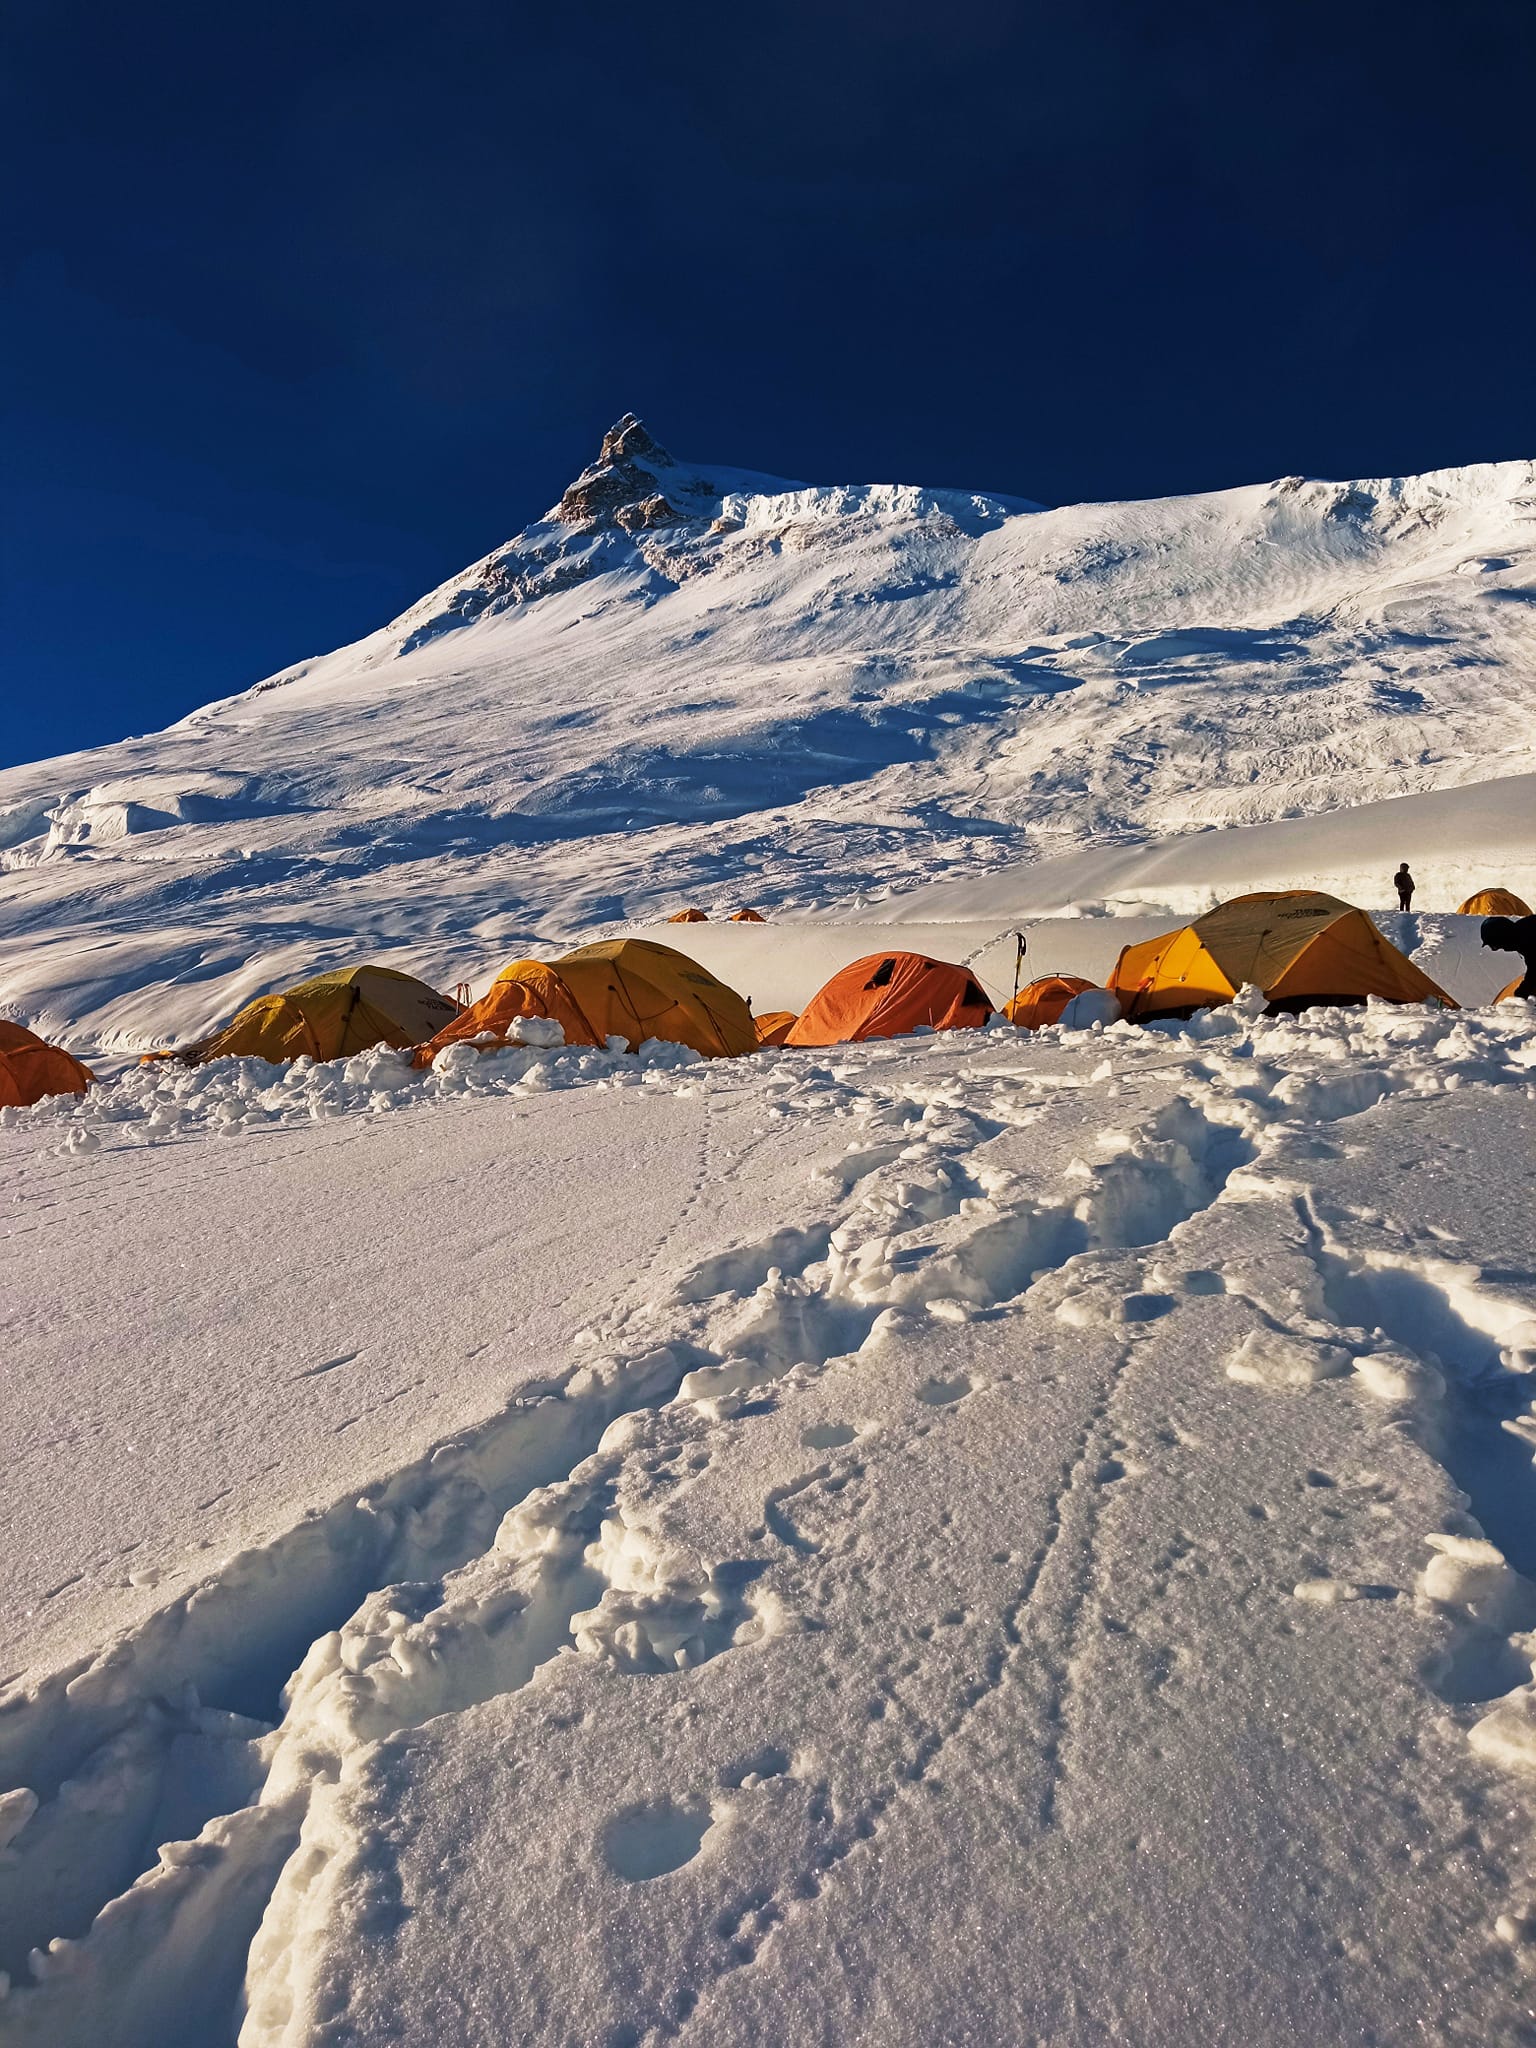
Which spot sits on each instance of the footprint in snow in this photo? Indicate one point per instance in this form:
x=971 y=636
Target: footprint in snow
x=940 y=1393
x=827 y=1436
x=650 y=1841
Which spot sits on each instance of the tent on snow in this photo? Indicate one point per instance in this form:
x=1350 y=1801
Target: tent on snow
x=328 y=1018
x=524 y=988
x=689 y=917
x=1511 y=994
x=1297 y=945
x=747 y=917
x=636 y=989
x=1494 y=903
x=886 y=994
x=773 y=1026
x=31 y=1068
x=1042 y=1001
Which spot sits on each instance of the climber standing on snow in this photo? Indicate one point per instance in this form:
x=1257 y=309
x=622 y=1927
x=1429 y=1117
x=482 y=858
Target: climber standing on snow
x=1514 y=935
x=1404 y=883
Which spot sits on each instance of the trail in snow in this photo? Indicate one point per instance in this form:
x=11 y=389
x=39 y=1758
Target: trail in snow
x=1087 y=1260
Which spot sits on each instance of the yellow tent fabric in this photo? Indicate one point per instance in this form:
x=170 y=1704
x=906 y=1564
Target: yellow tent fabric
x=1510 y=993
x=1297 y=945
x=637 y=989
x=773 y=1025
x=748 y=917
x=524 y=988
x=1495 y=903
x=328 y=1018
x=689 y=917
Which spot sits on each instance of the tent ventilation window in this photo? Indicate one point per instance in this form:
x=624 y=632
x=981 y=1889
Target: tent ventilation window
x=882 y=975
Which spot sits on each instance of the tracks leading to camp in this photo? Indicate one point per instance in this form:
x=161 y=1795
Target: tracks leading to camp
x=459 y=1579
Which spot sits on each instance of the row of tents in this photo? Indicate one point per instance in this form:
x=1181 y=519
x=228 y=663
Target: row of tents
x=694 y=916
x=1299 y=947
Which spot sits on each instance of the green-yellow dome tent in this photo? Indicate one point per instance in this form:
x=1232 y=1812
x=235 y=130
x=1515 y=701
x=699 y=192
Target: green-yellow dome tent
x=327 y=1018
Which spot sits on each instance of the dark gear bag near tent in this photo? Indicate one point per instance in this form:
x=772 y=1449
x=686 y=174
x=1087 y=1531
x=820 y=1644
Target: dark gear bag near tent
x=1495 y=903
x=328 y=1018
x=31 y=1068
x=524 y=988
x=1298 y=946
x=1041 y=1002
x=1513 y=935
x=635 y=989
x=887 y=994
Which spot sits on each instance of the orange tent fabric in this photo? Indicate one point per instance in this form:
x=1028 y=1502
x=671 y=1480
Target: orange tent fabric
x=31 y=1068
x=747 y=917
x=636 y=989
x=886 y=994
x=1297 y=945
x=524 y=988
x=773 y=1026
x=689 y=917
x=1495 y=903
x=1512 y=993
x=1042 y=1001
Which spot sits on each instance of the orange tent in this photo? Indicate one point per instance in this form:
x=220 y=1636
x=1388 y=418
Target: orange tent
x=689 y=917
x=1512 y=993
x=1495 y=903
x=636 y=989
x=31 y=1068
x=747 y=917
x=886 y=994
x=524 y=988
x=773 y=1026
x=1042 y=1001
x=1297 y=945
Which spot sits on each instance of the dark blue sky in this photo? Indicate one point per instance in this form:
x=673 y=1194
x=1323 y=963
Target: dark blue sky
x=307 y=307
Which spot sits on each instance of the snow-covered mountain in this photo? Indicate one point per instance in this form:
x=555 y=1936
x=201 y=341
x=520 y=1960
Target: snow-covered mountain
x=695 y=683
x=986 y=1536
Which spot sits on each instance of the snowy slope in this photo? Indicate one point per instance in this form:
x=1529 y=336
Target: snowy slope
x=1012 y=1538
x=691 y=683
x=982 y=1538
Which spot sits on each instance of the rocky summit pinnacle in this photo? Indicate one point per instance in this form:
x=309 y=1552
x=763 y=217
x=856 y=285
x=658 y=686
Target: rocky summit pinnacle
x=621 y=487
x=629 y=439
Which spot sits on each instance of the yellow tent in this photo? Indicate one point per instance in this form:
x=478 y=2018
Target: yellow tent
x=748 y=917
x=637 y=989
x=524 y=988
x=1511 y=991
x=689 y=917
x=1494 y=903
x=773 y=1025
x=1299 y=946
x=327 y=1018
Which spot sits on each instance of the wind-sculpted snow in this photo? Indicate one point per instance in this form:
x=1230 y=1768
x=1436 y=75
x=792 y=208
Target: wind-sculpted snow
x=689 y=683
x=1068 y=1542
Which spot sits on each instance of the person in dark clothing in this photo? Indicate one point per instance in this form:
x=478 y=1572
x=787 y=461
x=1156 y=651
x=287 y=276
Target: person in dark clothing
x=1514 y=935
x=1404 y=883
